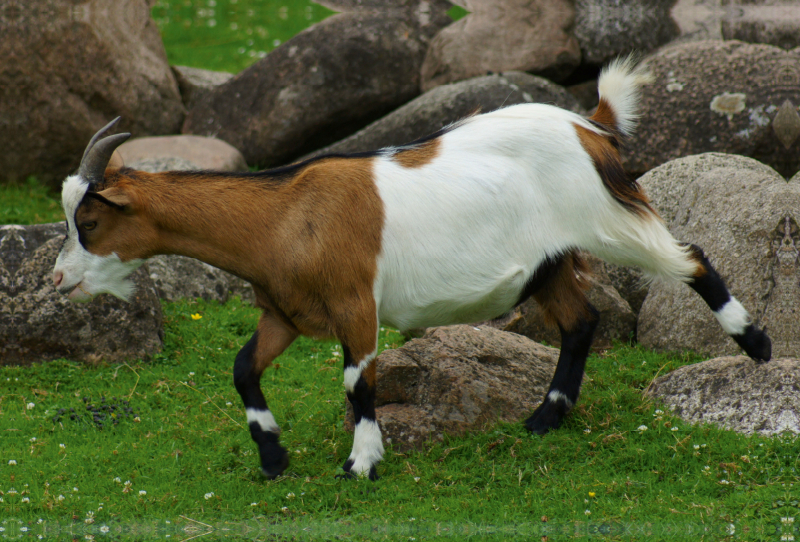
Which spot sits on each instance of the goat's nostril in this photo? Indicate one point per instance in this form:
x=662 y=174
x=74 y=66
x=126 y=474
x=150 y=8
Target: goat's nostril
x=58 y=276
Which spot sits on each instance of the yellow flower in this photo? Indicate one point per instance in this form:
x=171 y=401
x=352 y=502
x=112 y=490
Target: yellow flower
x=196 y=316
x=592 y=494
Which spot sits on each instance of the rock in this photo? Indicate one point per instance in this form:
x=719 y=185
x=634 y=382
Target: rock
x=322 y=85
x=195 y=83
x=195 y=151
x=535 y=37
x=70 y=67
x=617 y=320
x=457 y=379
x=745 y=218
x=39 y=324
x=609 y=28
x=772 y=22
x=735 y=393
x=448 y=103
x=177 y=277
x=715 y=96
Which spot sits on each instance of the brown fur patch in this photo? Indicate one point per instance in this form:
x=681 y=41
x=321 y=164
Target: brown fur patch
x=608 y=164
x=697 y=256
x=605 y=115
x=562 y=298
x=274 y=336
x=309 y=243
x=419 y=155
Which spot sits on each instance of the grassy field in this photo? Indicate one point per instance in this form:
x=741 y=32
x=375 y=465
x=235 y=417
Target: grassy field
x=159 y=449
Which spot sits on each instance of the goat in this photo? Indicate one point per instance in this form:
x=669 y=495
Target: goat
x=457 y=227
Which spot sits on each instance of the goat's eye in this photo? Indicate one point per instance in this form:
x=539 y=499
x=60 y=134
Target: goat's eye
x=89 y=226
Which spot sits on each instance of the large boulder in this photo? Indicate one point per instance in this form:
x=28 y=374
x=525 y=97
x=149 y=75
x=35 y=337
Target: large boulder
x=448 y=103
x=502 y=35
x=457 y=379
x=720 y=96
x=66 y=69
x=608 y=28
x=322 y=85
x=202 y=153
x=745 y=218
x=774 y=22
x=179 y=277
x=38 y=324
x=735 y=393
x=194 y=83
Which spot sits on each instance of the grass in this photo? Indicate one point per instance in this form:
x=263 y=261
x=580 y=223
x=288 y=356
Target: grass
x=174 y=427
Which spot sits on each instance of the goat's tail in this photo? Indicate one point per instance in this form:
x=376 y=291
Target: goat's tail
x=619 y=87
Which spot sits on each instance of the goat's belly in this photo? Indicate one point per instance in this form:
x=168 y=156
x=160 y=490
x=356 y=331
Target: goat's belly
x=431 y=301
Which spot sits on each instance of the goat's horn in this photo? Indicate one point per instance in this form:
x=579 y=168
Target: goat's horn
x=98 y=153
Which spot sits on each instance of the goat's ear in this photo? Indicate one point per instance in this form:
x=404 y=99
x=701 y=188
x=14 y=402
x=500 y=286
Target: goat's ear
x=113 y=197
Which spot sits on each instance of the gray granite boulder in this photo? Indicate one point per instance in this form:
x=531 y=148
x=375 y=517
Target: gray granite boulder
x=39 y=324
x=195 y=83
x=322 y=85
x=735 y=393
x=457 y=379
x=719 y=96
x=190 y=152
x=502 y=35
x=745 y=217
x=66 y=69
x=448 y=103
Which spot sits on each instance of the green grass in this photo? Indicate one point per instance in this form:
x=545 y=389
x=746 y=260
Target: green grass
x=29 y=203
x=189 y=449
x=230 y=35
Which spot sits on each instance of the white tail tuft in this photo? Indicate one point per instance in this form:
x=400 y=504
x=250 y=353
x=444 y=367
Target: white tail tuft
x=620 y=87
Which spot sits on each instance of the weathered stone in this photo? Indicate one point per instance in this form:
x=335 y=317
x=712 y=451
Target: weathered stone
x=716 y=96
x=609 y=28
x=322 y=85
x=773 y=22
x=448 y=103
x=745 y=217
x=535 y=37
x=195 y=83
x=617 y=320
x=66 y=69
x=38 y=324
x=177 y=277
x=457 y=379
x=735 y=393
x=205 y=153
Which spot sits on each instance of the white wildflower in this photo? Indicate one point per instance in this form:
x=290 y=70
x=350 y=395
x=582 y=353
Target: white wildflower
x=209 y=495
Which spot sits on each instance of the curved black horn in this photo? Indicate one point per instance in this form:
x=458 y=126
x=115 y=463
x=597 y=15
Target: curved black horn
x=98 y=153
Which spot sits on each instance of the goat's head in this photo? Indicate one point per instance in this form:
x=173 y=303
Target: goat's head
x=99 y=252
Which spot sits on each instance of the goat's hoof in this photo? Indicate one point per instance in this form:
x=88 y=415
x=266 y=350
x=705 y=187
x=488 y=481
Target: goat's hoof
x=348 y=475
x=272 y=467
x=756 y=344
x=544 y=418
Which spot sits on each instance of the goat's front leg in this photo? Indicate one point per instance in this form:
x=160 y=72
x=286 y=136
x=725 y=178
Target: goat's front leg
x=268 y=342
x=359 y=383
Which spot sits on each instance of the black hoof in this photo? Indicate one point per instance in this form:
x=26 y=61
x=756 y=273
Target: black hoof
x=548 y=416
x=274 y=465
x=756 y=344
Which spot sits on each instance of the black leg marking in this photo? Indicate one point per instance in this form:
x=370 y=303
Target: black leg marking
x=566 y=384
x=728 y=311
x=263 y=430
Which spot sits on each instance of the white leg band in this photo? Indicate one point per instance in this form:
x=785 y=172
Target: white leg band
x=367 y=447
x=264 y=418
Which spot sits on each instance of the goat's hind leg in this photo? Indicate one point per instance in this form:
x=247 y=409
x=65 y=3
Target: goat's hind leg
x=730 y=313
x=271 y=338
x=561 y=297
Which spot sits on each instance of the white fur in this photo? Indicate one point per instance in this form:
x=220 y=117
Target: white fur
x=86 y=275
x=556 y=396
x=733 y=317
x=619 y=85
x=264 y=418
x=352 y=374
x=463 y=233
x=367 y=447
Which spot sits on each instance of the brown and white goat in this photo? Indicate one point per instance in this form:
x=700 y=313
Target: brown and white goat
x=458 y=227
